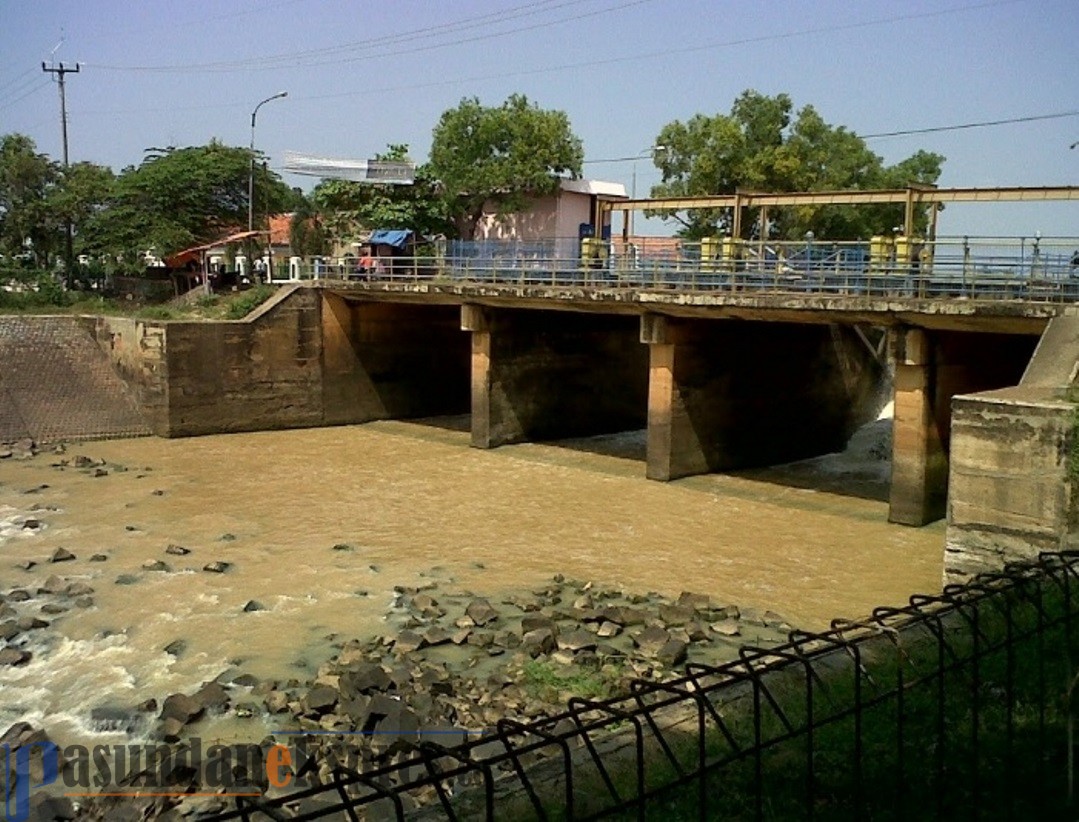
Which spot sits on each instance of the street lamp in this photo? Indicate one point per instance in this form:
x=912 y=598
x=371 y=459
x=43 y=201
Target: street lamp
x=651 y=151
x=251 y=170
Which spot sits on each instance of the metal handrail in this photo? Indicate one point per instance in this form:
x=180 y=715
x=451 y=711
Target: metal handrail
x=990 y=269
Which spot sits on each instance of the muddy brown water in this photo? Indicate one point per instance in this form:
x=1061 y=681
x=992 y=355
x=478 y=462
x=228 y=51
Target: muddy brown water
x=810 y=541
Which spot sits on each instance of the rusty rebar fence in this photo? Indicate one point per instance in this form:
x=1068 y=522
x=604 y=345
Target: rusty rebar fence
x=957 y=704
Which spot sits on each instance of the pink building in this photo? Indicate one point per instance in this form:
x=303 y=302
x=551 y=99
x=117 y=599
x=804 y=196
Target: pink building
x=557 y=217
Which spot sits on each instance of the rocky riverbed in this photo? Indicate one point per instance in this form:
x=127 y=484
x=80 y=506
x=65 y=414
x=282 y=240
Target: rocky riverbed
x=446 y=659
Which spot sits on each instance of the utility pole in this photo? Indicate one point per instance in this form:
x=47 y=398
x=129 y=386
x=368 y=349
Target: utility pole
x=60 y=71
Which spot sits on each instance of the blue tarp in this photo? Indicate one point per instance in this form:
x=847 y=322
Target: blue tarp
x=397 y=237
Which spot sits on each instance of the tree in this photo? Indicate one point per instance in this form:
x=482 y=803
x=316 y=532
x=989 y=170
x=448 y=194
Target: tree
x=27 y=180
x=306 y=234
x=504 y=155
x=757 y=148
x=350 y=208
x=179 y=197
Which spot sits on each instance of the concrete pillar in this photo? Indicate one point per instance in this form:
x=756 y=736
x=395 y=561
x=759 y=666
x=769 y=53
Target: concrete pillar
x=919 y=463
x=674 y=450
x=474 y=318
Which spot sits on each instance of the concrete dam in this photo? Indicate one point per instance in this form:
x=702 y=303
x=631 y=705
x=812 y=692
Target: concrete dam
x=720 y=381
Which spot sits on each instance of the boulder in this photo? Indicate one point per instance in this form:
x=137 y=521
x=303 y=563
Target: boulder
x=78 y=589
x=53 y=585
x=651 y=639
x=695 y=602
x=672 y=653
x=212 y=696
x=533 y=622
x=320 y=699
x=727 y=627
x=182 y=708
x=61 y=555
x=481 y=611
x=537 y=642
x=608 y=630
x=216 y=567
x=155 y=565
x=364 y=677
x=14 y=656
x=177 y=550
x=577 y=640
x=170 y=729
x=407 y=642
x=253 y=605
x=276 y=702
x=675 y=614
x=30 y=623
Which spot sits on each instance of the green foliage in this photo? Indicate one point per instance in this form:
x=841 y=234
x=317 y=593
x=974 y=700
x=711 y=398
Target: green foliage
x=248 y=301
x=351 y=209
x=32 y=290
x=504 y=155
x=27 y=181
x=551 y=682
x=182 y=196
x=307 y=235
x=759 y=147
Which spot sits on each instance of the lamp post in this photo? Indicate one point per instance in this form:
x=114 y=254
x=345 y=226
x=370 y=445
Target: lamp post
x=251 y=170
x=648 y=152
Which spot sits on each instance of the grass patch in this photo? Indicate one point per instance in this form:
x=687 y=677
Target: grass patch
x=239 y=306
x=554 y=683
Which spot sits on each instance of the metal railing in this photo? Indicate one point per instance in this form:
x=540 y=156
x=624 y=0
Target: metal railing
x=953 y=705
x=984 y=268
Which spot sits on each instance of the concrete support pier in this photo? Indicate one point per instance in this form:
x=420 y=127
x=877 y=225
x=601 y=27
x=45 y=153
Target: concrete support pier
x=932 y=367
x=726 y=394
x=919 y=463
x=543 y=375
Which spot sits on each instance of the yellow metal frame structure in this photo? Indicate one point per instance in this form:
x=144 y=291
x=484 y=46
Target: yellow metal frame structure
x=911 y=198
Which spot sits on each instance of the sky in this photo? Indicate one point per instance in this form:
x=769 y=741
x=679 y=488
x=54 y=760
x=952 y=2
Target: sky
x=362 y=74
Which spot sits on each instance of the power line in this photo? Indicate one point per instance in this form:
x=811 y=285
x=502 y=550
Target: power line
x=637 y=57
x=982 y=124
x=327 y=55
x=40 y=85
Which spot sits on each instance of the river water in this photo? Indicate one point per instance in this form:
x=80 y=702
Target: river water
x=412 y=503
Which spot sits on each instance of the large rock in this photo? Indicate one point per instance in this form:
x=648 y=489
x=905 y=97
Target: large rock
x=696 y=602
x=14 y=656
x=534 y=622
x=364 y=677
x=182 y=708
x=672 y=653
x=61 y=555
x=675 y=614
x=53 y=585
x=320 y=699
x=212 y=696
x=578 y=640
x=481 y=611
x=651 y=639
x=539 y=641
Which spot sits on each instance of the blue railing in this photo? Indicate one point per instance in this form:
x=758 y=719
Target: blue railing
x=989 y=268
